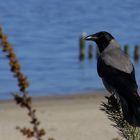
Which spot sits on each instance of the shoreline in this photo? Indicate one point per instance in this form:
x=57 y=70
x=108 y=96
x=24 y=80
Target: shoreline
x=40 y=94
x=99 y=92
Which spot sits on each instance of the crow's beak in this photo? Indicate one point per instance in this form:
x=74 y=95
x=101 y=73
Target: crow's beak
x=91 y=37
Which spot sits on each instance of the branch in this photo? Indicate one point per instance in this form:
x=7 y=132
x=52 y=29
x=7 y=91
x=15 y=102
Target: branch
x=114 y=113
x=23 y=99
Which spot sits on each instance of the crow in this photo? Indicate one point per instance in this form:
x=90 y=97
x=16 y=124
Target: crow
x=118 y=75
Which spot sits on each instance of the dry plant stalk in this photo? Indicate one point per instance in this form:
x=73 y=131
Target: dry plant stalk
x=23 y=99
x=113 y=110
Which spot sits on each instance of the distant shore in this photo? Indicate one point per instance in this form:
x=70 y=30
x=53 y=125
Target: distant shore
x=73 y=117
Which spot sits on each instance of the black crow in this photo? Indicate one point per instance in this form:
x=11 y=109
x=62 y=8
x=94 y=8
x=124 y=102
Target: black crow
x=118 y=75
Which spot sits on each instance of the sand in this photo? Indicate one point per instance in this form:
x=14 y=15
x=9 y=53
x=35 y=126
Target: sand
x=75 y=117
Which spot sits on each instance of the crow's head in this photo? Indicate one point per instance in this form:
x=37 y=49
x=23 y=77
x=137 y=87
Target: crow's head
x=102 y=39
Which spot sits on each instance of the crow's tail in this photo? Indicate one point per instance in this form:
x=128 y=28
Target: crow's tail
x=131 y=109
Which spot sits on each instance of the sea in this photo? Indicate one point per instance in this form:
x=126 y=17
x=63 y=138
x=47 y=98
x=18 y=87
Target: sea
x=45 y=36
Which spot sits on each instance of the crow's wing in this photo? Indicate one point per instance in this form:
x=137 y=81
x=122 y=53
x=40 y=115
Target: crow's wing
x=121 y=79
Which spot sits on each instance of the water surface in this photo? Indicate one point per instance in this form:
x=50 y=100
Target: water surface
x=45 y=35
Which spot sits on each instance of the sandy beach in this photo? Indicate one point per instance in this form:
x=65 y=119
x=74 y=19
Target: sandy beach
x=76 y=117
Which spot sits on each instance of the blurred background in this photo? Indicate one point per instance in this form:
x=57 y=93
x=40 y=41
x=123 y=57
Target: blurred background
x=45 y=36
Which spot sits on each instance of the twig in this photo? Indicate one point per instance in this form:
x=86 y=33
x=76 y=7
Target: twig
x=23 y=99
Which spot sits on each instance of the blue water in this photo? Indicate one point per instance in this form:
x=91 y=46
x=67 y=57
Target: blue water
x=45 y=33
